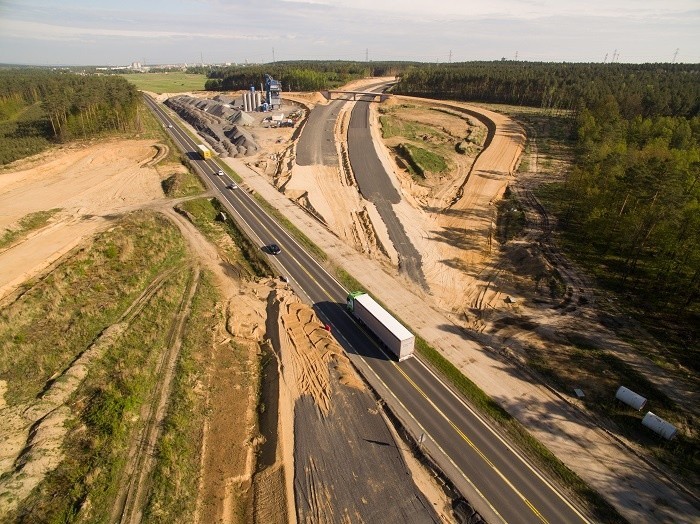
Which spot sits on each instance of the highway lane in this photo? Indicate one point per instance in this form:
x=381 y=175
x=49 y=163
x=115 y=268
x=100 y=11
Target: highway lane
x=501 y=485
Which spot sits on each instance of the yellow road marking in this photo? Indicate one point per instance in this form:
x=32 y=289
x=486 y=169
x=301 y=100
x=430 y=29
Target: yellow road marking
x=415 y=386
x=424 y=395
x=473 y=446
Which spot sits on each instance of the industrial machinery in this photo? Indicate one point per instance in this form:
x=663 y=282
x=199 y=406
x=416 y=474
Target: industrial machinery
x=273 y=91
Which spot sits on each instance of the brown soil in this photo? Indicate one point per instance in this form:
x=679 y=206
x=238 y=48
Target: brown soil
x=335 y=474
x=89 y=183
x=454 y=231
x=95 y=183
x=231 y=436
x=329 y=193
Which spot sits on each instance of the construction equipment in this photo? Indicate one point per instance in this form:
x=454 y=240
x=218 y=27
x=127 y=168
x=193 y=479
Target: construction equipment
x=273 y=90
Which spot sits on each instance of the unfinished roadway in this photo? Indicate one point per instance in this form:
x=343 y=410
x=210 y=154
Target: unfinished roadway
x=317 y=147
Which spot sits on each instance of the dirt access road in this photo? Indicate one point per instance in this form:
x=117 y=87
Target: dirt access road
x=91 y=185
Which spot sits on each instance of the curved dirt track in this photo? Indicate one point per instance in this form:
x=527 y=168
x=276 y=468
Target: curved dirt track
x=91 y=185
x=135 y=482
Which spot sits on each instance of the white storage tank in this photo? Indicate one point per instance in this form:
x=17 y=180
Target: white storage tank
x=246 y=101
x=659 y=425
x=630 y=398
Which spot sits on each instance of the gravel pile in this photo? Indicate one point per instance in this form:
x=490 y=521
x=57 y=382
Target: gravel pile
x=219 y=122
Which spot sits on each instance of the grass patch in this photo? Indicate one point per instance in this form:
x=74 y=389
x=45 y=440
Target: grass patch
x=421 y=160
x=241 y=252
x=483 y=403
x=348 y=281
x=175 y=485
x=108 y=403
x=26 y=225
x=65 y=311
x=167 y=82
x=393 y=126
x=518 y=433
x=182 y=185
x=60 y=317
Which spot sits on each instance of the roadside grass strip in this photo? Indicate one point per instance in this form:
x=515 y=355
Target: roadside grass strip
x=517 y=433
x=173 y=494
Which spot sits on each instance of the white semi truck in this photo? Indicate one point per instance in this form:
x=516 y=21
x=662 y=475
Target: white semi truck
x=387 y=329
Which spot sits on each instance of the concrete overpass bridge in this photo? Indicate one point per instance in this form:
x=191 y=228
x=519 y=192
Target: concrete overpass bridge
x=356 y=95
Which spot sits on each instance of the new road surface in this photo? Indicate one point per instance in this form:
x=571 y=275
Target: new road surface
x=316 y=146
x=495 y=479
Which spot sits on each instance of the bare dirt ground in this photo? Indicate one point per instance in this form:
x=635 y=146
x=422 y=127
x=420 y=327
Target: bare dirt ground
x=329 y=193
x=93 y=184
x=89 y=183
x=471 y=287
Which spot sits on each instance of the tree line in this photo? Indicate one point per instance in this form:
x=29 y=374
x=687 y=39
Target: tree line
x=299 y=75
x=59 y=107
x=634 y=197
x=640 y=89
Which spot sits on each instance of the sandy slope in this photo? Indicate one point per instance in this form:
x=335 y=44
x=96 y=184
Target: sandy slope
x=90 y=184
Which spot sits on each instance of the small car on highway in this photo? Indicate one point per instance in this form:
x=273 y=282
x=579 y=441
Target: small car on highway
x=232 y=186
x=220 y=172
x=274 y=249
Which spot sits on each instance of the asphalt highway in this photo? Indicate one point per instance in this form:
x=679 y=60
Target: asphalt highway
x=500 y=484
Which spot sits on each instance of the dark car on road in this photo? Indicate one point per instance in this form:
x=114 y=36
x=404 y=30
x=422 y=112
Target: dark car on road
x=274 y=249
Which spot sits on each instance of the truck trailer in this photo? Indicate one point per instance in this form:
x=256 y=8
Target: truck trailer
x=203 y=151
x=399 y=340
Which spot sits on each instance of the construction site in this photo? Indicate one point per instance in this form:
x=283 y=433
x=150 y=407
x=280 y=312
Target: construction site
x=276 y=403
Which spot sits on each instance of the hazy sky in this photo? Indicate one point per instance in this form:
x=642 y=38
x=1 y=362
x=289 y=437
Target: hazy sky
x=118 y=32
